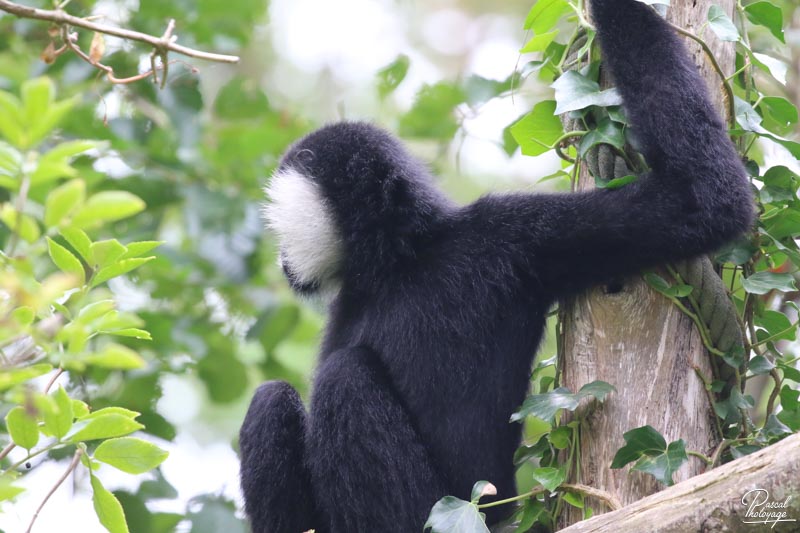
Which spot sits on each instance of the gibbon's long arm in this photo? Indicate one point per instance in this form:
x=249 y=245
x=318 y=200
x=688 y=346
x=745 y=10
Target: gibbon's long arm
x=694 y=200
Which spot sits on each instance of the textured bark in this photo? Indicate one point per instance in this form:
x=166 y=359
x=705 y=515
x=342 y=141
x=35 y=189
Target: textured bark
x=635 y=339
x=712 y=502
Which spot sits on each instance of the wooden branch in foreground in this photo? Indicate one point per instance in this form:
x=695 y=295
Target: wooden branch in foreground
x=744 y=496
x=62 y=18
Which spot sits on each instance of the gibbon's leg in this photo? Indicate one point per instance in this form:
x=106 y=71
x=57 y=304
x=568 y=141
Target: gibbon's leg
x=370 y=470
x=274 y=478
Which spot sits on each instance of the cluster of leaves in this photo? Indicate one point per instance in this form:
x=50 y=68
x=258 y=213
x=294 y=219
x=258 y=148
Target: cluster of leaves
x=78 y=214
x=56 y=315
x=760 y=270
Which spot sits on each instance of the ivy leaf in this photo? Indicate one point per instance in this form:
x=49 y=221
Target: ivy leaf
x=481 y=489
x=451 y=515
x=780 y=115
x=664 y=465
x=131 y=455
x=575 y=91
x=722 y=25
x=22 y=427
x=606 y=132
x=598 y=389
x=538 y=130
x=760 y=365
x=548 y=477
x=641 y=441
x=768 y=15
x=107 y=507
x=545 y=406
x=776 y=324
x=764 y=282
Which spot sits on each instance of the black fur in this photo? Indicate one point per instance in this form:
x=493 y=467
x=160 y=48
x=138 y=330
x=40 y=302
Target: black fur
x=441 y=308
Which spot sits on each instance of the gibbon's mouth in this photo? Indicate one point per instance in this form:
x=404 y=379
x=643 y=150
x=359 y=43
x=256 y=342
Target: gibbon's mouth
x=306 y=288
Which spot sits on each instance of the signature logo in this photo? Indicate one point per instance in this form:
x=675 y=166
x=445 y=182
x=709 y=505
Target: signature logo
x=761 y=509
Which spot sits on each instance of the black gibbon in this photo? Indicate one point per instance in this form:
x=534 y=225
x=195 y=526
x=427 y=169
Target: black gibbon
x=438 y=308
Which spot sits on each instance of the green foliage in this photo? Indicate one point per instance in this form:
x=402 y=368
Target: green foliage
x=651 y=454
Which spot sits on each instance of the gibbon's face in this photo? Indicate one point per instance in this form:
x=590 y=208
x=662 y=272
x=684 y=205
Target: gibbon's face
x=310 y=246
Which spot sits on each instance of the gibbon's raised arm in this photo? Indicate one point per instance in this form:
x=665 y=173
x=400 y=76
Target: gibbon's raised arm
x=694 y=200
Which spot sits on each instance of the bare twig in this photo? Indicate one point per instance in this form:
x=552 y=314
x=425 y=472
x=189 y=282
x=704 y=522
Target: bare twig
x=611 y=501
x=75 y=459
x=159 y=43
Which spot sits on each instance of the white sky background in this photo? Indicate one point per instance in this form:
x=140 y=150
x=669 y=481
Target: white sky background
x=351 y=39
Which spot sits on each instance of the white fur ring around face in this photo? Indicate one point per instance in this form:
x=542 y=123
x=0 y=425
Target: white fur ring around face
x=298 y=214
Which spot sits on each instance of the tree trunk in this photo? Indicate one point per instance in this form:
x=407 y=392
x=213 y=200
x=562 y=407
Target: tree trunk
x=635 y=339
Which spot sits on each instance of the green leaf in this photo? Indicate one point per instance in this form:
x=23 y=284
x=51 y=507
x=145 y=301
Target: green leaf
x=538 y=130
x=776 y=324
x=108 y=508
x=130 y=332
x=780 y=115
x=22 y=427
x=780 y=185
x=117 y=357
x=768 y=15
x=481 y=489
x=103 y=426
x=560 y=437
x=131 y=455
x=7 y=490
x=78 y=239
x=56 y=163
x=539 y=43
x=575 y=91
x=127 y=413
x=606 y=132
x=548 y=477
x=641 y=441
x=451 y=515
x=11 y=119
x=9 y=378
x=47 y=122
x=598 y=389
x=64 y=259
x=760 y=365
x=62 y=200
x=722 y=25
x=575 y=500
x=664 y=465
x=545 y=406
x=58 y=417
x=117 y=269
x=25 y=225
x=544 y=15
x=764 y=282
x=616 y=183
x=431 y=117
x=108 y=206
x=106 y=252
x=138 y=249
x=392 y=75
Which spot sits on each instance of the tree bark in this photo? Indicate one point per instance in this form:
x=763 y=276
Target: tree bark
x=718 y=500
x=635 y=339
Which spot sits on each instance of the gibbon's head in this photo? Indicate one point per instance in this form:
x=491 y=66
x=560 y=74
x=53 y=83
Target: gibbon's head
x=347 y=198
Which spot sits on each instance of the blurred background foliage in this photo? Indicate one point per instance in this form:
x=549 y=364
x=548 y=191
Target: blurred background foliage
x=198 y=152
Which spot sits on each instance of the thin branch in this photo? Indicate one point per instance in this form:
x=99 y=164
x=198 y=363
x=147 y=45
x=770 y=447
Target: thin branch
x=607 y=498
x=75 y=460
x=166 y=42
